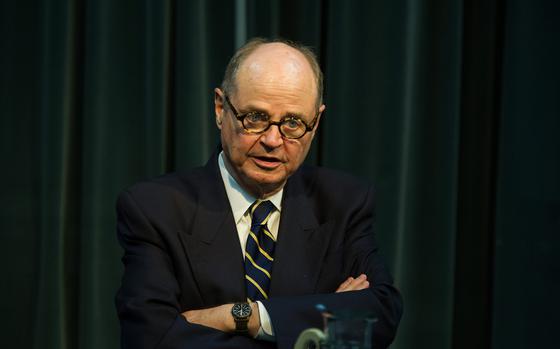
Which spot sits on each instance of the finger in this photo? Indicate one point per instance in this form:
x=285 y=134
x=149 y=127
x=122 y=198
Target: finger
x=345 y=284
x=355 y=281
x=360 y=283
x=362 y=286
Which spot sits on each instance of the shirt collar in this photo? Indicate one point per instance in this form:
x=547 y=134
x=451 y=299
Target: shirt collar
x=239 y=199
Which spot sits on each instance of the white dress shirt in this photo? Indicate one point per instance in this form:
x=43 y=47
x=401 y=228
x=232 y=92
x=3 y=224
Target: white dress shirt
x=240 y=201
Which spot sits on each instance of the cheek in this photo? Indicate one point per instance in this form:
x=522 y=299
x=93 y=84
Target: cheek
x=296 y=153
x=238 y=145
x=243 y=144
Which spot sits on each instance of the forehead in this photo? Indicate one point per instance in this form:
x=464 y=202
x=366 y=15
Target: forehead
x=276 y=57
x=278 y=73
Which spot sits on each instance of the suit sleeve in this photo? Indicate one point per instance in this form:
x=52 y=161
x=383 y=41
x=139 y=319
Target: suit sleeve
x=148 y=300
x=291 y=315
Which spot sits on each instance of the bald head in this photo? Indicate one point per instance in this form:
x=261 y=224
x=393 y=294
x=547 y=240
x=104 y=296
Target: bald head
x=279 y=65
x=263 y=61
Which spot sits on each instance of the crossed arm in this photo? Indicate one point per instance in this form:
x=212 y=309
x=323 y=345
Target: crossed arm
x=151 y=300
x=220 y=318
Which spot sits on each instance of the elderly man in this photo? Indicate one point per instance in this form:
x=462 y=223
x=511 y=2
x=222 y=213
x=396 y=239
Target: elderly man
x=236 y=254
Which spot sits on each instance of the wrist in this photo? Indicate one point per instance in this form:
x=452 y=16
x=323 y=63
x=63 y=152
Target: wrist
x=241 y=314
x=255 y=320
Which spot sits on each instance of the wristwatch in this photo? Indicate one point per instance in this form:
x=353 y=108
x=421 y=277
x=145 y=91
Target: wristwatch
x=241 y=313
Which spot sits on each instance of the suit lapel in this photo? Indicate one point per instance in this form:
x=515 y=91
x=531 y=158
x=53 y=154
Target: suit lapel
x=212 y=243
x=301 y=244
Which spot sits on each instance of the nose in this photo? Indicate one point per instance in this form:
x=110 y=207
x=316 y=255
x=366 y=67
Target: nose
x=272 y=137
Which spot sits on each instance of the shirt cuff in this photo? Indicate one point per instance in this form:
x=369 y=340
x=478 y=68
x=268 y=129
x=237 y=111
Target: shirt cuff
x=266 y=332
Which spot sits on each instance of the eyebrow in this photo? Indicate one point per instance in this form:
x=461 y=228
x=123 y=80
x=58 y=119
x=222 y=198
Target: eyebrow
x=250 y=109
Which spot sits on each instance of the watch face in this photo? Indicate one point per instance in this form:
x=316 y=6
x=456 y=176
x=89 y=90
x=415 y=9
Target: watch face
x=241 y=310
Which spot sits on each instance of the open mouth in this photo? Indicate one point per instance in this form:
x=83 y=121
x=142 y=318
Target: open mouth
x=266 y=162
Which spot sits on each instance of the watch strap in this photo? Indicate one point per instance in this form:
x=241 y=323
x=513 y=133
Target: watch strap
x=241 y=326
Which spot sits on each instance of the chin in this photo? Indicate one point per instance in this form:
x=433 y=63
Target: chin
x=267 y=182
x=266 y=177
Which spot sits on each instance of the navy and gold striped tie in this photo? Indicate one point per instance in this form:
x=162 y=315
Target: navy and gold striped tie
x=259 y=252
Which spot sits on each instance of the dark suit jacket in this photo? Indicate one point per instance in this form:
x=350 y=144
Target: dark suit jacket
x=181 y=252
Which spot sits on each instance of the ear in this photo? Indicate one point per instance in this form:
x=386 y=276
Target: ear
x=320 y=114
x=219 y=106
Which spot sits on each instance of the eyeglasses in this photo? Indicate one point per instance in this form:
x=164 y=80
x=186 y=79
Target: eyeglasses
x=290 y=127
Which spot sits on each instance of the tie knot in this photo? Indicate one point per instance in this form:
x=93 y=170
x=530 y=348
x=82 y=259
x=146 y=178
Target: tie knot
x=260 y=212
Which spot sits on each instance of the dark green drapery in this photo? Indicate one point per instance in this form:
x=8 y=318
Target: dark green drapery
x=449 y=107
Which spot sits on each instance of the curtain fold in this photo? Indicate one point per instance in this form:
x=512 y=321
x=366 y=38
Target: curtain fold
x=393 y=117
x=98 y=95
x=55 y=300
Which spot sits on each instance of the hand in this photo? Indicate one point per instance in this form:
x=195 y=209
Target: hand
x=354 y=284
x=220 y=318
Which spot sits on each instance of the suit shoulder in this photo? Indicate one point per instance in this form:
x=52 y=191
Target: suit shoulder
x=334 y=194
x=322 y=178
x=165 y=186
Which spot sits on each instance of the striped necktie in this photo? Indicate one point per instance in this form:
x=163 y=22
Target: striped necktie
x=259 y=252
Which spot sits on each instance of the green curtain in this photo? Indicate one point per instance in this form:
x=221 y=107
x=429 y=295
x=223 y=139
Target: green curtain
x=449 y=107
x=527 y=267
x=393 y=88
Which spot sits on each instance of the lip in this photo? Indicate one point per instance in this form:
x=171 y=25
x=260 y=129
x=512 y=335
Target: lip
x=267 y=163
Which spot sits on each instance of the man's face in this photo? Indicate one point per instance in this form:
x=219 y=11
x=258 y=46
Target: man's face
x=278 y=81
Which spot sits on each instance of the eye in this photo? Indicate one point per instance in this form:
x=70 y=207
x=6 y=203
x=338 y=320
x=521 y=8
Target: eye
x=292 y=123
x=256 y=117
